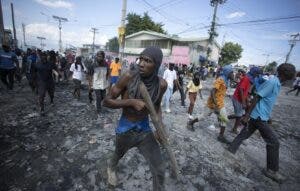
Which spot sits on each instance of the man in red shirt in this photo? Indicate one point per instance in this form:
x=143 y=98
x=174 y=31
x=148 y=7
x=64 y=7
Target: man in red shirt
x=239 y=98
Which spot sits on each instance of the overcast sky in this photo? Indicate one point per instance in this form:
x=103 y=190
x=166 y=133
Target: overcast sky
x=257 y=40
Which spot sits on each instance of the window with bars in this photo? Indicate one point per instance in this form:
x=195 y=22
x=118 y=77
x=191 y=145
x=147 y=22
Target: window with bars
x=145 y=43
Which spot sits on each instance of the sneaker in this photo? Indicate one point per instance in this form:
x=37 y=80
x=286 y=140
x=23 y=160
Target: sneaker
x=222 y=139
x=231 y=150
x=191 y=117
x=273 y=175
x=190 y=127
x=168 y=111
x=111 y=177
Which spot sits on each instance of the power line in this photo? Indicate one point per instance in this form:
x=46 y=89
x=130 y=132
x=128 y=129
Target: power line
x=239 y=9
x=255 y=48
x=166 y=4
x=256 y=22
x=261 y=20
x=173 y=19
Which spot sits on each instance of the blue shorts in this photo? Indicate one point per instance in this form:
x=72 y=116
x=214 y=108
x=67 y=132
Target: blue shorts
x=238 y=108
x=125 y=125
x=114 y=79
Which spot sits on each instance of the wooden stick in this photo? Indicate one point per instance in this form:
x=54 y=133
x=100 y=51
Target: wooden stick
x=159 y=128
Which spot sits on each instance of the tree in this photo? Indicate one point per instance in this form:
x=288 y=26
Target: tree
x=271 y=67
x=230 y=53
x=136 y=23
x=113 y=44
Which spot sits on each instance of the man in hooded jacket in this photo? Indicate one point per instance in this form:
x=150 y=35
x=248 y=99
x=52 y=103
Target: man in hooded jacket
x=133 y=129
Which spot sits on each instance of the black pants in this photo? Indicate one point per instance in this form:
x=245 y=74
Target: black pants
x=44 y=87
x=8 y=73
x=18 y=74
x=100 y=95
x=268 y=135
x=182 y=96
x=294 y=89
x=148 y=147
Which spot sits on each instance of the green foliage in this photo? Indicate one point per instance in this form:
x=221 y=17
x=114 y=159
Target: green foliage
x=271 y=67
x=113 y=44
x=230 y=53
x=136 y=23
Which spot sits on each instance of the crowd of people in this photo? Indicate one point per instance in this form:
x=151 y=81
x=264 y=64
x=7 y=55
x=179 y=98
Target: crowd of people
x=253 y=99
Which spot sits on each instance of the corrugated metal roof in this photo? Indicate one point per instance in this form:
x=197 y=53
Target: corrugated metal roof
x=191 y=39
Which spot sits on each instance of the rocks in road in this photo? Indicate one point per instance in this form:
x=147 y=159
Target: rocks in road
x=68 y=149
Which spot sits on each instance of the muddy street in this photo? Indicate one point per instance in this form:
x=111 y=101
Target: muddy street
x=68 y=148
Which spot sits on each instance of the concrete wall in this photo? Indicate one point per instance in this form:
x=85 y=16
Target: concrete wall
x=194 y=52
x=145 y=37
x=136 y=51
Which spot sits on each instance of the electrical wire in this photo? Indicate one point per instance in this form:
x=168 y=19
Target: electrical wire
x=252 y=22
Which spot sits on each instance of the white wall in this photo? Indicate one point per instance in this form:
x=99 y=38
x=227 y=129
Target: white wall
x=144 y=37
x=194 y=53
x=166 y=52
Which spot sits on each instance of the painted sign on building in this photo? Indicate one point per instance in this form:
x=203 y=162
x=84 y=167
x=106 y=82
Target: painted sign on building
x=180 y=55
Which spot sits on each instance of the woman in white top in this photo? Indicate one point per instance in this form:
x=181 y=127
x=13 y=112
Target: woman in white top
x=77 y=69
x=100 y=79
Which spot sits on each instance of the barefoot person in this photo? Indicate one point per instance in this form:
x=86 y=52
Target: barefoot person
x=133 y=129
x=215 y=102
x=258 y=115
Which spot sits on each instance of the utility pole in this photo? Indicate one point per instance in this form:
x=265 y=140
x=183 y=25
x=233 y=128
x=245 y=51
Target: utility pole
x=121 y=31
x=1 y=24
x=14 y=27
x=24 y=39
x=94 y=31
x=267 y=58
x=41 y=38
x=293 y=41
x=212 y=31
x=60 y=20
x=223 y=40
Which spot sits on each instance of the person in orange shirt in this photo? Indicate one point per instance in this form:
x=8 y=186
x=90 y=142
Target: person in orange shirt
x=115 y=71
x=215 y=102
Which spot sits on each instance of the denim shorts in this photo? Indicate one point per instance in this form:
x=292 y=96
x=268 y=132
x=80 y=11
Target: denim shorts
x=114 y=79
x=238 y=108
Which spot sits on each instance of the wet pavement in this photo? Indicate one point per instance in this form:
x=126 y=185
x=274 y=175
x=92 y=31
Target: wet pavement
x=68 y=148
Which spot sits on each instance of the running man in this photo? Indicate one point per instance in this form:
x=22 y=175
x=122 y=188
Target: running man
x=258 y=115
